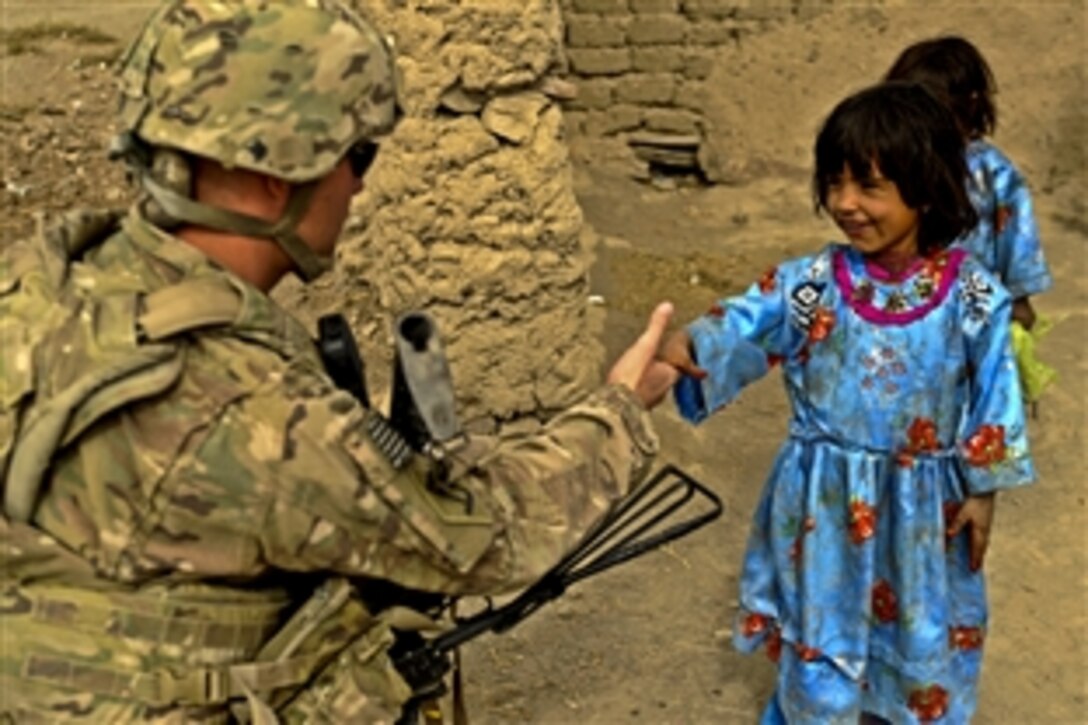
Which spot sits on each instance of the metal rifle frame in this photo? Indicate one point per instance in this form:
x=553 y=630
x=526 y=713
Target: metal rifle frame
x=628 y=531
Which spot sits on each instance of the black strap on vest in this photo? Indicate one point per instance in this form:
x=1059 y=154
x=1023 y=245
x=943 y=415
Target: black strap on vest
x=341 y=357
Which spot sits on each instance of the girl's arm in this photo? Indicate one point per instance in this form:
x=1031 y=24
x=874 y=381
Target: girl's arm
x=993 y=446
x=1021 y=263
x=993 y=443
x=732 y=345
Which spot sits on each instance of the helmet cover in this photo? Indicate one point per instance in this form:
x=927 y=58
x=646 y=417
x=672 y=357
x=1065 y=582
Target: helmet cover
x=283 y=88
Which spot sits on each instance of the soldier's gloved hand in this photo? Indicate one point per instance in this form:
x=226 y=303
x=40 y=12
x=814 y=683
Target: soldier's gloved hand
x=677 y=353
x=638 y=367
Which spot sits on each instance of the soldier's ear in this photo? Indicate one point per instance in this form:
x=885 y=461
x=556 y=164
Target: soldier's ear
x=278 y=193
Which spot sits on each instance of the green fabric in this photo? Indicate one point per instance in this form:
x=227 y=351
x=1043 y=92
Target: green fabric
x=1035 y=375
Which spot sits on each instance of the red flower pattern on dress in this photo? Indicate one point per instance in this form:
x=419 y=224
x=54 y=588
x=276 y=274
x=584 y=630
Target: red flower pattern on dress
x=767 y=282
x=929 y=703
x=823 y=322
x=933 y=268
x=921 y=438
x=806 y=653
x=862 y=521
x=986 y=447
x=716 y=310
x=797 y=549
x=922 y=435
x=965 y=638
x=754 y=624
x=1001 y=218
x=885 y=603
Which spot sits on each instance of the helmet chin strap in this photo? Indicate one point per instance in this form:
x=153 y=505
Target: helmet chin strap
x=309 y=265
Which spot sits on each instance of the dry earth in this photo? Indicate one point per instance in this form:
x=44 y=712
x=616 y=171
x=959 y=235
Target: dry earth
x=649 y=642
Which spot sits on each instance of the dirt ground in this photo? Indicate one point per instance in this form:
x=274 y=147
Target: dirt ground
x=649 y=642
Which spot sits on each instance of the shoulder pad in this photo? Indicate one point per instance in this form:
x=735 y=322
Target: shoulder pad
x=67 y=237
x=188 y=305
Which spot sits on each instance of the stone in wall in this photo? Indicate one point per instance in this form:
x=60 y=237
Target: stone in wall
x=470 y=213
x=652 y=60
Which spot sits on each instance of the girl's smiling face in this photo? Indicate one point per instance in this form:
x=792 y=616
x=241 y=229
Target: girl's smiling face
x=891 y=171
x=872 y=213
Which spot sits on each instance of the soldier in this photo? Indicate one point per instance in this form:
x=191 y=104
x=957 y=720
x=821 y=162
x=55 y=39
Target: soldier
x=194 y=513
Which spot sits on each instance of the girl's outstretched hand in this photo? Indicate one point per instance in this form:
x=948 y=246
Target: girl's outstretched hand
x=977 y=513
x=677 y=352
x=639 y=368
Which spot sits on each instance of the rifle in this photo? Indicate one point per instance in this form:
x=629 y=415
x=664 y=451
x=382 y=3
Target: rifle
x=630 y=530
x=422 y=417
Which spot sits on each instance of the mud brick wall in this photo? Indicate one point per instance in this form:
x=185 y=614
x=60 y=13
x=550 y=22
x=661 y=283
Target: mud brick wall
x=641 y=66
x=469 y=213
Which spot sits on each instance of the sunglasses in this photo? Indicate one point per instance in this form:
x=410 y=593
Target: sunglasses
x=360 y=156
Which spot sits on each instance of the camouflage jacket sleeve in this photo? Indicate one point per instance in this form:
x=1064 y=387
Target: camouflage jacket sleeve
x=292 y=470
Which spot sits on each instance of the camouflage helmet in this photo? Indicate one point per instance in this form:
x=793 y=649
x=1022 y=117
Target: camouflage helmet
x=283 y=88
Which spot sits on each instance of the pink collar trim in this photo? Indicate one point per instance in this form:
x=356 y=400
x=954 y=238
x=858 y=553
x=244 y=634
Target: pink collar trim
x=868 y=311
x=877 y=272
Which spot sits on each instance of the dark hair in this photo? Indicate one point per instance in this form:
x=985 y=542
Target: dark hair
x=913 y=140
x=954 y=70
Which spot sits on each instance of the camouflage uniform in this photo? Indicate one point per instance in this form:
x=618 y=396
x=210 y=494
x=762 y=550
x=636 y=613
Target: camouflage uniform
x=204 y=528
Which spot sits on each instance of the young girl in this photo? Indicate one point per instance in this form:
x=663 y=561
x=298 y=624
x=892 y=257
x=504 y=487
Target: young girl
x=862 y=578
x=1006 y=239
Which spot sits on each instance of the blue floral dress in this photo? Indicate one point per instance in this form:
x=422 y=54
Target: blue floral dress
x=904 y=401
x=1006 y=238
